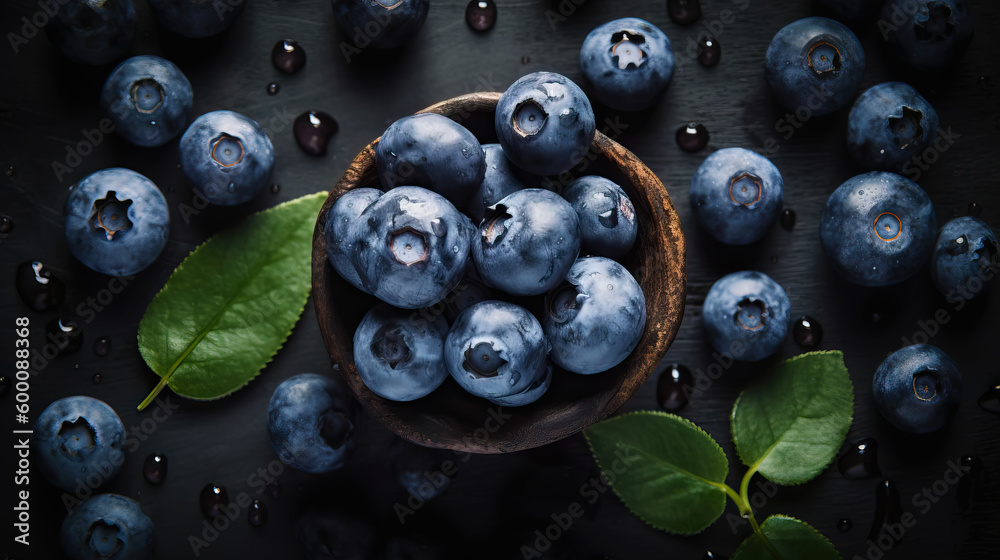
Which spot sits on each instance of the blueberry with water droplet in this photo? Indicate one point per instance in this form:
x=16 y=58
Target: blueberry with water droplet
x=683 y=12
x=213 y=500
x=65 y=334
x=481 y=15
x=807 y=332
x=709 y=51
x=860 y=460
x=673 y=387
x=257 y=513
x=38 y=287
x=102 y=346
x=154 y=468
x=288 y=56
x=313 y=130
x=692 y=137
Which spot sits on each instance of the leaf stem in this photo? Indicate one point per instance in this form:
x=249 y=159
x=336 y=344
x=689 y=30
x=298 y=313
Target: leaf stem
x=745 y=499
x=156 y=391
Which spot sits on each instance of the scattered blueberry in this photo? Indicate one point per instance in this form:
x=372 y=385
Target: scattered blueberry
x=38 y=287
x=65 y=334
x=89 y=32
x=629 y=62
x=889 y=125
x=348 y=207
x=288 y=56
x=814 y=63
x=410 y=247
x=196 y=18
x=154 y=468
x=148 y=99
x=709 y=51
x=501 y=179
x=431 y=151
x=684 y=12
x=545 y=123
x=736 y=195
x=746 y=315
x=227 y=156
x=595 y=319
x=807 y=332
x=213 y=500
x=673 y=387
x=692 y=137
x=117 y=221
x=878 y=229
x=527 y=242
x=107 y=526
x=78 y=442
x=965 y=258
x=607 y=218
x=395 y=22
x=311 y=421
x=917 y=388
x=313 y=130
x=481 y=15
x=927 y=34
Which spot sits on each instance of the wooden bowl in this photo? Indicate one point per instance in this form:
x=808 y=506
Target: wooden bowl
x=450 y=418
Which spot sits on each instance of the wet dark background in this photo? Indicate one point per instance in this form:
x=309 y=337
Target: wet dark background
x=46 y=104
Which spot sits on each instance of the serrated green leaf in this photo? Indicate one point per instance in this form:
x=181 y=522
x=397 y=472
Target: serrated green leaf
x=231 y=304
x=793 y=540
x=666 y=470
x=790 y=424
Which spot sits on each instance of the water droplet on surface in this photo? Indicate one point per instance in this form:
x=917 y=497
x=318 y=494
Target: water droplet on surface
x=65 y=334
x=313 y=130
x=213 y=500
x=38 y=286
x=888 y=509
x=774 y=258
x=709 y=555
x=275 y=187
x=807 y=332
x=154 y=469
x=984 y=81
x=96 y=379
x=288 y=56
x=970 y=486
x=102 y=346
x=860 y=460
x=4 y=385
x=6 y=224
x=709 y=51
x=273 y=88
x=525 y=60
x=990 y=400
x=692 y=137
x=844 y=525
x=481 y=15
x=788 y=218
x=673 y=387
x=257 y=513
x=878 y=312
x=10 y=171
x=975 y=209
x=683 y=12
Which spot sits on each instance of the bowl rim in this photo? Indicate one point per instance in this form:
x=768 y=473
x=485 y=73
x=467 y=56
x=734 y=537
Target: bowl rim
x=664 y=307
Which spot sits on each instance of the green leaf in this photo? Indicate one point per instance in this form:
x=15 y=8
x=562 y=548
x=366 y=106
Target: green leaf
x=667 y=470
x=229 y=307
x=793 y=539
x=790 y=425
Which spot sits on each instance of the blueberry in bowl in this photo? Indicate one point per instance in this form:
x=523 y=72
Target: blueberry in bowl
x=878 y=229
x=607 y=218
x=746 y=315
x=93 y=32
x=814 y=64
x=311 y=420
x=383 y=24
x=227 y=156
x=78 y=442
x=889 y=125
x=964 y=261
x=451 y=418
x=500 y=179
x=148 y=99
x=736 y=195
x=338 y=223
x=917 y=388
x=545 y=123
x=927 y=34
x=117 y=221
x=196 y=19
x=629 y=63
x=107 y=526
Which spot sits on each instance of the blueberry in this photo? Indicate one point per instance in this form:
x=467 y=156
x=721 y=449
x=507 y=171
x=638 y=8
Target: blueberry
x=410 y=247
x=814 y=64
x=917 y=388
x=90 y=32
x=527 y=242
x=107 y=526
x=964 y=260
x=383 y=24
x=311 y=420
x=468 y=293
x=545 y=123
x=889 y=125
x=338 y=221
x=596 y=318
x=78 y=442
x=927 y=34
x=148 y=99
x=431 y=151
x=607 y=218
x=399 y=354
x=116 y=221
x=629 y=63
x=501 y=179
x=196 y=18
x=878 y=228
x=497 y=350
x=737 y=195
x=418 y=469
x=227 y=156
x=746 y=315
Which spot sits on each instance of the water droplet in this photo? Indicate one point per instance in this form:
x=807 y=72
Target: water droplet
x=709 y=555
x=38 y=287
x=231 y=187
x=807 y=332
x=774 y=258
x=878 y=312
x=844 y=525
x=683 y=12
x=288 y=56
x=65 y=334
x=481 y=15
x=154 y=469
x=213 y=500
x=990 y=400
x=273 y=88
x=525 y=60
x=274 y=489
x=102 y=346
x=709 y=51
x=692 y=137
x=860 y=460
x=788 y=218
x=6 y=224
x=975 y=209
x=984 y=81
x=970 y=464
x=888 y=509
x=313 y=130
x=970 y=486
x=673 y=387
x=4 y=385
x=257 y=514
x=275 y=187
x=96 y=379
